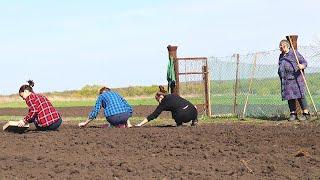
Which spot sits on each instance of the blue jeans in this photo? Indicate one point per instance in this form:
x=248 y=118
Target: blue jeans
x=52 y=127
x=119 y=119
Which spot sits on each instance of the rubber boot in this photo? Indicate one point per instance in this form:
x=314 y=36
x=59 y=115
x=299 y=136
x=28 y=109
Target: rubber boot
x=292 y=117
x=194 y=122
x=307 y=115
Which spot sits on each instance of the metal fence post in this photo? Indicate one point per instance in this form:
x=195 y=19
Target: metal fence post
x=236 y=84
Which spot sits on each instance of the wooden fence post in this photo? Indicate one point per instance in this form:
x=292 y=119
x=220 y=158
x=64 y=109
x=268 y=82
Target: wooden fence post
x=207 y=89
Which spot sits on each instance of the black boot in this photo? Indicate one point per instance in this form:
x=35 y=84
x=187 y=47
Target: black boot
x=292 y=117
x=307 y=115
x=194 y=122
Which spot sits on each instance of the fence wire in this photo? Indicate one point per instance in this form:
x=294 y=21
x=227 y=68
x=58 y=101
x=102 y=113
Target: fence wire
x=191 y=80
x=264 y=98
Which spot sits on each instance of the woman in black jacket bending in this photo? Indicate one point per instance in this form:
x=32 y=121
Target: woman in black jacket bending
x=182 y=110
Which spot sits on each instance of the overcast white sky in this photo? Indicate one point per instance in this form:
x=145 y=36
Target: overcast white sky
x=65 y=45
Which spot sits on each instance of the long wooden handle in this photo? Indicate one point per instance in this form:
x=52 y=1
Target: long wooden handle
x=304 y=78
x=250 y=86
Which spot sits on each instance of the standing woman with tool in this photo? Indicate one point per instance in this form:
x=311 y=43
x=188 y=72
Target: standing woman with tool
x=292 y=83
x=41 y=112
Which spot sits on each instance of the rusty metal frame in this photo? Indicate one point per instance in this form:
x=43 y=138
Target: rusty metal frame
x=204 y=72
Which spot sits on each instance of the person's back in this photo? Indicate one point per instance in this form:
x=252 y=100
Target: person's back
x=113 y=103
x=175 y=104
x=42 y=107
x=116 y=109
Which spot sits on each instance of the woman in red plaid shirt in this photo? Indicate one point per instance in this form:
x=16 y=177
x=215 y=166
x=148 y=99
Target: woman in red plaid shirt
x=41 y=112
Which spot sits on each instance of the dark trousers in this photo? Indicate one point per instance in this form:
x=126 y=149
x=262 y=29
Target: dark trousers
x=52 y=127
x=292 y=104
x=119 y=119
x=186 y=115
x=172 y=86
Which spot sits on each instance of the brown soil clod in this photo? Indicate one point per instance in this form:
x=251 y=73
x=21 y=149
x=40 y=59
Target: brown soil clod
x=302 y=153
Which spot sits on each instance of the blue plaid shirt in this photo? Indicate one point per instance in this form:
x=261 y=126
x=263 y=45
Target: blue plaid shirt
x=112 y=103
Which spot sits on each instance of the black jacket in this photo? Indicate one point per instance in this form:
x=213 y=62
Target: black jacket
x=173 y=103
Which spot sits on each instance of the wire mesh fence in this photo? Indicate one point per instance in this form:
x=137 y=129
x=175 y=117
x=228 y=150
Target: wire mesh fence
x=250 y=84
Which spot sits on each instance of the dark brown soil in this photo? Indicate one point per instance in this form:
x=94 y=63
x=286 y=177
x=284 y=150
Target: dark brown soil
x=208 y=151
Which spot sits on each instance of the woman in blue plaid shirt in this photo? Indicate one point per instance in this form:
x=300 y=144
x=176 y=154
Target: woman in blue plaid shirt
x=116 y=109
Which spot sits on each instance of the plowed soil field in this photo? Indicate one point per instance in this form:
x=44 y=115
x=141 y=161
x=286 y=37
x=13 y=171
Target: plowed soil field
x=207 y=151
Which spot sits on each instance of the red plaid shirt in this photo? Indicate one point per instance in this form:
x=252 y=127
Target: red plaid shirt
x=41 y=110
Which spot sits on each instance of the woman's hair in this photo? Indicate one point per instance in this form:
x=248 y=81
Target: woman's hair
x=161 y=92
x=104 y=89
x=286 y=42
x=28 y=86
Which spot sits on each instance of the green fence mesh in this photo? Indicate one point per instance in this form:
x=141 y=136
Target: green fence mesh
x=264 y=99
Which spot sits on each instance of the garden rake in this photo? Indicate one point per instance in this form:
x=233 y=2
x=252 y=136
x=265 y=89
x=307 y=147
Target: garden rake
x=303 y=76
